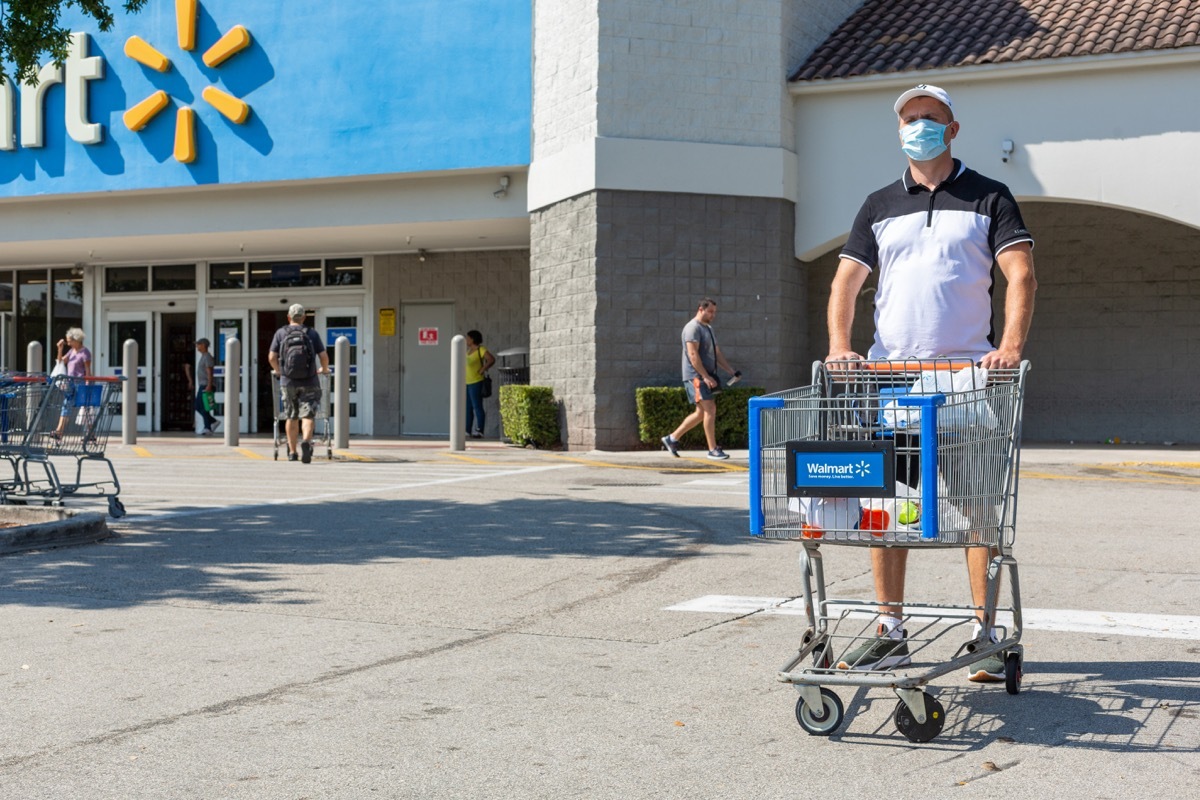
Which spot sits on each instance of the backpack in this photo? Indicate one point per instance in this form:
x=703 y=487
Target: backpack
x=297 y=358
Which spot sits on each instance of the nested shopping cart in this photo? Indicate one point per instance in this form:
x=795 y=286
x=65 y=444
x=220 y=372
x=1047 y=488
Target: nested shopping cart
x=321 y=430
x=43 y=419
x=912 y=454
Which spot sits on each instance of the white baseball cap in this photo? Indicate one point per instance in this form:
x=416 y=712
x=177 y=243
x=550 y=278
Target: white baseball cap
x=924 y=90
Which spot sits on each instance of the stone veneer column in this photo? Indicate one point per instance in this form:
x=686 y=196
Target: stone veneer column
x=614 y=277
x=663 y=171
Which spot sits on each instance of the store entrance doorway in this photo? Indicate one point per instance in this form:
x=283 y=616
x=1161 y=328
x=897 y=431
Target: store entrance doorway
x=266 y=323
x=178 y=349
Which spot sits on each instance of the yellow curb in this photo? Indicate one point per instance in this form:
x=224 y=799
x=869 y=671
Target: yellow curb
x=665 y=468
x=352 y=456
x=467 y=459
x=1046 y=476
x=250 y=453
x=142 y=452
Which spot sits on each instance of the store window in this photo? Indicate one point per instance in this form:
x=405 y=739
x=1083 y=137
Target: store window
x=343 y=272
x=32 y=312
x=173 y=278
x=126 y=279
x=227 y=276
x=282 y=274
x=6 y=291
x=66 y=306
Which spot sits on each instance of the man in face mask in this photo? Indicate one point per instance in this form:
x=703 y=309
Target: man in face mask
x=933 y=239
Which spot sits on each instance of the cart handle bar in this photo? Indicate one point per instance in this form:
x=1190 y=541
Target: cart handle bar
x=906 y=365
x=91 y=378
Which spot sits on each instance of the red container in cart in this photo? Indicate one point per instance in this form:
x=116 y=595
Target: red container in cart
x=45 y=421
x=912 y=454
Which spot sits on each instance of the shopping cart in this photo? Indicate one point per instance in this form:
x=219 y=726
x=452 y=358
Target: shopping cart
x=63 y=417
x=321 y=429
x=21 y=396
x=912 y=454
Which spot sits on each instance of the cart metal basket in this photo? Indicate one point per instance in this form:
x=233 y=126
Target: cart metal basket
x=910 y=454
x=321 y=426
x=43 y=419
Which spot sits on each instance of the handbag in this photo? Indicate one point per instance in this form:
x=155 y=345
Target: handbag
x=487 y=379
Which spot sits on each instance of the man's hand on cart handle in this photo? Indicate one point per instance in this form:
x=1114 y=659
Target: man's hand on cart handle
x=1001 y=359
x=842 y=355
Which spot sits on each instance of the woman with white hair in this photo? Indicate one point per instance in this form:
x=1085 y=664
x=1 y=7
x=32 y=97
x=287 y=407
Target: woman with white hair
x=78 y=362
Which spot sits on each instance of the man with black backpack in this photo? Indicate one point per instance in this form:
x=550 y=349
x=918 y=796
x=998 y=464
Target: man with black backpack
x=298 y=356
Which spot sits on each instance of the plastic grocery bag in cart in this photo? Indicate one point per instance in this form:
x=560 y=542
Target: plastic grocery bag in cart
x=819 y=514
x=966 y=407
x=900 y=513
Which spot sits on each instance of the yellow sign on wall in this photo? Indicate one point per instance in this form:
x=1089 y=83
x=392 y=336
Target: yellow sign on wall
x=387 y=322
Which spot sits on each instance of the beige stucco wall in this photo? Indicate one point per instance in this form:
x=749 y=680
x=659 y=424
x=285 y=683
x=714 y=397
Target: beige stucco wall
x=1117 y=132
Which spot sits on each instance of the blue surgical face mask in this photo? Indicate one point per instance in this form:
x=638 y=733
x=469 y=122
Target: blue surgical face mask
x=923 y=140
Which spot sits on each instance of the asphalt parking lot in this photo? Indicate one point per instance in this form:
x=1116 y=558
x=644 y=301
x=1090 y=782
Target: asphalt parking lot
x=403 y=621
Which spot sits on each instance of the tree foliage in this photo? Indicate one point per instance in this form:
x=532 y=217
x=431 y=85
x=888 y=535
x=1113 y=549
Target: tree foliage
x=29 y=28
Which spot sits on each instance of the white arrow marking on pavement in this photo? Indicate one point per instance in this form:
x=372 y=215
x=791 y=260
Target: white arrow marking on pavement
x=1159 y=626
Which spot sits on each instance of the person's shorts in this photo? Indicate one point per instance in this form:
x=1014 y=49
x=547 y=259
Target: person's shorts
x=300 y=402
x=697 y=390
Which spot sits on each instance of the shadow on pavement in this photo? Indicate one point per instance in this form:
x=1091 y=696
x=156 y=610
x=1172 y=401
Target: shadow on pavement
x=241 y=556
x=1109 y=706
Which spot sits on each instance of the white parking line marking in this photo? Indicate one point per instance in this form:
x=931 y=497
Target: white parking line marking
x=341 y=495
x=1158 y=626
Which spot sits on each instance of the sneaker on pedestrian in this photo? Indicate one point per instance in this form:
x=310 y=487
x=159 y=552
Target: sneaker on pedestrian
x=671 y=445
x=717 y=454
x=306 y=449
x=477 y=435
x=216 y=424
x=987 y=670
x=205 y=432
x=882 y=652
x=293 y=457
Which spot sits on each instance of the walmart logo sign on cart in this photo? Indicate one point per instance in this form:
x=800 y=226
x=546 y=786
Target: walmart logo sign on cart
x=841 y=469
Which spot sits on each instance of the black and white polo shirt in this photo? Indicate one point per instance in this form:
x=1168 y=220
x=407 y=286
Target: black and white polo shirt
x=935 y=252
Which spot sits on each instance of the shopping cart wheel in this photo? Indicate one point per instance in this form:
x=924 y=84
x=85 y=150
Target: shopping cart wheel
x=823 y=721
x=1012 y=672
x=935 y=719
x=116 y=509
x=820 y=656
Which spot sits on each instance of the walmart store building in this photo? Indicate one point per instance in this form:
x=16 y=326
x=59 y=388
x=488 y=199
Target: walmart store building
x=569 y=177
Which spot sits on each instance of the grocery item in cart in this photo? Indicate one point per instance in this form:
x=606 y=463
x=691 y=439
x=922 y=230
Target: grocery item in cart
x=967 y=384
x=819 y=514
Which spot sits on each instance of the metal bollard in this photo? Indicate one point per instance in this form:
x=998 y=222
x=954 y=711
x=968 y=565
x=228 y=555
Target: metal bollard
x=35 y=360
x=129 y=389
x=458 y=392
x=233 y=391
x=341 y=393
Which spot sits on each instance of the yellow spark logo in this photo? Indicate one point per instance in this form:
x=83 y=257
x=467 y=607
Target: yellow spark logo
x=234 y=109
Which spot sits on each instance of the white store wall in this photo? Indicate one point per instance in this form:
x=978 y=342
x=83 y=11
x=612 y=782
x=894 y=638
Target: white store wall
x=1116 y=131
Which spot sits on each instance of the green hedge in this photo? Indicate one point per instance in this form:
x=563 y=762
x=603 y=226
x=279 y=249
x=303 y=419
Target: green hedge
x=529 y=414
x=660 y=409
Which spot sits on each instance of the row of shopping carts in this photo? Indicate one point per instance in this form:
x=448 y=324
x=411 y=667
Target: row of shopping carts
x=48 y=421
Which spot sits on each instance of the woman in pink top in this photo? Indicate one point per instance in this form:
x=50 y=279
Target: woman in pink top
x=78 y=361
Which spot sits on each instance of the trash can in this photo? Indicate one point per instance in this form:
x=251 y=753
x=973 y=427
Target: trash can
x=513 y=371
x=510 y=372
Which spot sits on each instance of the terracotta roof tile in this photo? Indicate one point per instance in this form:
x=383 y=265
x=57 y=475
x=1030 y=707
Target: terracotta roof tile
x=885 y=36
